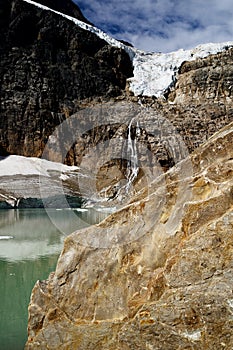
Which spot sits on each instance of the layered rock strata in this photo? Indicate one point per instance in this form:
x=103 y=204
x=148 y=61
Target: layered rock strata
x=58 y=68
x=155 y=275
x=200 y=101
x=47 y=65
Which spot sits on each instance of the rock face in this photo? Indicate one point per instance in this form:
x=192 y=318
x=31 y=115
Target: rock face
x=47 y=66
x=198 y=105
x=67 y=7
x=58 y=68
x=200 y=102
x=155 y=275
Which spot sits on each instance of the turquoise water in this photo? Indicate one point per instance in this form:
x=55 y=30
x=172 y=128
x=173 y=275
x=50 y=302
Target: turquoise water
x=30 y=243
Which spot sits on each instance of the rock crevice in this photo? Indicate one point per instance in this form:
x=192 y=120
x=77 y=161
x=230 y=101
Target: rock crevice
x=165 y=289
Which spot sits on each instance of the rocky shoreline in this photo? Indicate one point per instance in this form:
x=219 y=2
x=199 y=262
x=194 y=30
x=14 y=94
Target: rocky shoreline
x=142 y=279
x=84 y=117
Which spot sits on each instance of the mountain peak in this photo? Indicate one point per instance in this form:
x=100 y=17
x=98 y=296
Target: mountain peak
x=68 y=7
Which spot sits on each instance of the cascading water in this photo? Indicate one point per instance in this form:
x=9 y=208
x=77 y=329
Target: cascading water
x=132 y=156
x=128 y=152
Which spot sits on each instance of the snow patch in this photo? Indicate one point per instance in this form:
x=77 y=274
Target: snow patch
x=230 y=303
x=63 y=177
x=155 y=72
x=19 y=165
x=81 y=210
x=193 y=336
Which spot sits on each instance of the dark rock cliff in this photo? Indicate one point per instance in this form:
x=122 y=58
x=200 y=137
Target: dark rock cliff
x=47 y=65
x=67 y=7
x=50 y=69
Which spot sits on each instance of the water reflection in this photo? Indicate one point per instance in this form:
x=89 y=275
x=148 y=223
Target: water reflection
x=30 y=233
x=29 y=248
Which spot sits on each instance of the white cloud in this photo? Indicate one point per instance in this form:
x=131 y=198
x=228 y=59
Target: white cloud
x=162 y=25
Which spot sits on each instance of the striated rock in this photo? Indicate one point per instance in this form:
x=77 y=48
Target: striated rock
x=200 y=103
x=116 y=139
x=208 y=78
x=157 y=274
x=67 y=7
x=168 y=131
x=59 y=68
x=45 y=73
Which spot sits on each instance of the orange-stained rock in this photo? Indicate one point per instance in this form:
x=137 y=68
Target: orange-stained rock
x=155 y=275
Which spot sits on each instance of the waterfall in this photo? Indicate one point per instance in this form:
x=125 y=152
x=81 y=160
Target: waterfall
x=131 y=156
x=128 y=153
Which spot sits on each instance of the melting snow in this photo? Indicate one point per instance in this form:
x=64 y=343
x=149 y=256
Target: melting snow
x=153 y=72
x=194 y=336
x=19 y=165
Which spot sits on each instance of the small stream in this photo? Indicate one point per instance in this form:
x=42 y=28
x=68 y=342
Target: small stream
x=30 y=244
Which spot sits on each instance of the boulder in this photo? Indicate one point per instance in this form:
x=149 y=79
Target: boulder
x=157 y=274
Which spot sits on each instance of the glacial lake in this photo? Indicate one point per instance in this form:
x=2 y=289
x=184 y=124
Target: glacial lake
x=30 y=243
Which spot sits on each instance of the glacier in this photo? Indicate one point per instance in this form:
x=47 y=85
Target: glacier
x=20 y=165
x=153 y=72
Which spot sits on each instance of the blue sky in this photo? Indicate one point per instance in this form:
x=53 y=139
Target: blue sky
x=162 y=25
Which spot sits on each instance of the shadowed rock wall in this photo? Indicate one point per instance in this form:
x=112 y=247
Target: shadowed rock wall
x=47 y=65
